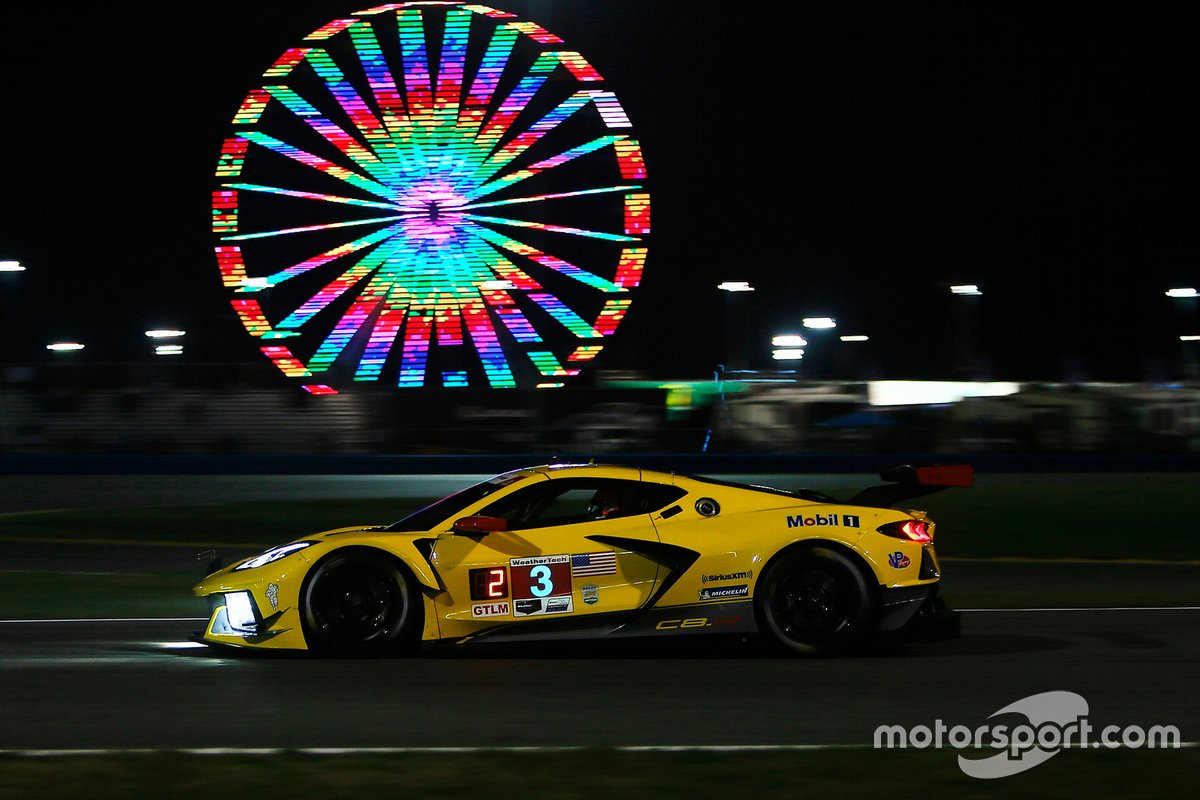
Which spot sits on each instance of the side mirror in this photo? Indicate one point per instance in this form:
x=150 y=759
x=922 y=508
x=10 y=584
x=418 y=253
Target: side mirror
x=480 y=525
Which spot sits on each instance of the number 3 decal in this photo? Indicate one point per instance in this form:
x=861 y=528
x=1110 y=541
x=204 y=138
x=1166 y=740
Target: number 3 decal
x=544 y=586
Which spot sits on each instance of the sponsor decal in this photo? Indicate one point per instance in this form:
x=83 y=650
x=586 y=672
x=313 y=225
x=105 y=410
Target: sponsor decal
x=696 y=622
x=712 y=577
x=560 y=605
x=541 y=585
x=898 y=560
x=533 y=561
x=524 y=608
x=721 y=592
x=584 y=564
x=490 y=610
x=591 y=593
x=802 y=521
x=273 y=595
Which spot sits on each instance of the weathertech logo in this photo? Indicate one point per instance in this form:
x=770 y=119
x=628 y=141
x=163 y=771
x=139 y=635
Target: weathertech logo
x=801 y=521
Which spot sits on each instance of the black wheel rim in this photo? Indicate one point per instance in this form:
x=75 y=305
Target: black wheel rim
x=811 y=605
x=356 y=604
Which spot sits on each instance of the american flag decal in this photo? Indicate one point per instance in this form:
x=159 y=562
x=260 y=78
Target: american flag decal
x=584 y=564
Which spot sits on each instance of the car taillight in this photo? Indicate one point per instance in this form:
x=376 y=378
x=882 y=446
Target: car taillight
x=914 y=530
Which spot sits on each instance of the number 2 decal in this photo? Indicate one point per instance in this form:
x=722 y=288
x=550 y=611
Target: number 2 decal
x=544 y=586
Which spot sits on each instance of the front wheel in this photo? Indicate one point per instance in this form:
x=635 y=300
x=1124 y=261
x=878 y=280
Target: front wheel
x=357 y=603
x=814 y=601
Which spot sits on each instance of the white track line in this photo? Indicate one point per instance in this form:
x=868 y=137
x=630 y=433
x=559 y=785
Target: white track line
x=388 y=751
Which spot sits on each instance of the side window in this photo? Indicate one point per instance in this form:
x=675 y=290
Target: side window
x=521 y=507
x=567 y=508
x=568 y=501
x=656 y=496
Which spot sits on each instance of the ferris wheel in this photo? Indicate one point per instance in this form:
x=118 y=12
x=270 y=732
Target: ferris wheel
x=431 y=194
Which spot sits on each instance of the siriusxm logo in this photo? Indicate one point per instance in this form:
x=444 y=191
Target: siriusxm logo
x=727 y=576
x=801 y=521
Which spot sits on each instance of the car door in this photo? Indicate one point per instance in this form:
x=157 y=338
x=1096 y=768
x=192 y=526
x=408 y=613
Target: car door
x=570 y=550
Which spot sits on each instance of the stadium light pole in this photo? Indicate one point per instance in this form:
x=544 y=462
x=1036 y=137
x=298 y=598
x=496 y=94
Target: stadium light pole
x=10 y=305
x=733 y=324
x=819 y=355
x=965 y=322
x=1184 y=303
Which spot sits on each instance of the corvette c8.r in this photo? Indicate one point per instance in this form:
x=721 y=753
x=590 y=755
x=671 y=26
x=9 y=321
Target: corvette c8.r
x=595 y=551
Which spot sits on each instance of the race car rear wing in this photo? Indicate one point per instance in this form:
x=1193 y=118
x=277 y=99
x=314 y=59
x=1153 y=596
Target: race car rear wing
x=909 y=481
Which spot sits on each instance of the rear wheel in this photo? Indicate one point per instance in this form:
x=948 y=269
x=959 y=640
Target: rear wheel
x=357 y=603
x=814 y=601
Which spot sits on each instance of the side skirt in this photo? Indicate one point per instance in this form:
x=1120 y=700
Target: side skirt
x=735 y=616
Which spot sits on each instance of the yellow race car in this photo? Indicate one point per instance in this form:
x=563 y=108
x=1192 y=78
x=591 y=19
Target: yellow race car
x=594 y=551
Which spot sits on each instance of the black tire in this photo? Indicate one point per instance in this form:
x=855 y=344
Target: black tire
x=814 y=601
x=358 y=603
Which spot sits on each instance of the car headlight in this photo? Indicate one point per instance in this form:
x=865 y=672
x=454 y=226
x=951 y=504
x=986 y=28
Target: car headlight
x=239 y=609
x=274 y=554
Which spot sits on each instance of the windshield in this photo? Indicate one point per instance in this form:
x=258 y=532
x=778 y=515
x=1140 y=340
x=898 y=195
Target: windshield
x=450 y=505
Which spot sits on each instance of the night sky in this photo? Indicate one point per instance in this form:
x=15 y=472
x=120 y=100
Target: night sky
x=849 y=160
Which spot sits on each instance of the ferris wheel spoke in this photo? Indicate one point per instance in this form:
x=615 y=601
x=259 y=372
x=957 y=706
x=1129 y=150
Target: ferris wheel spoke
x=336 y=288
x=310 y=228
x=498 y=265
x=483 y=334
x=318 y=163
x=383 y=87
x=606 y=103
x=541 y=226
x=383 y=335
x=500 y=158
x=515 y=177
x=550 y=262
x=483 y=88
x=451 y=68
x=335 y=343
x=348 y=99
x=346 y=249
x=540 y=197
x=564 y=316
x=497 y=125
x=350 y=147
x=328 y=198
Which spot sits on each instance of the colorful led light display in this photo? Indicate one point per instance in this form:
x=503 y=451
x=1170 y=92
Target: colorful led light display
x=431 y=193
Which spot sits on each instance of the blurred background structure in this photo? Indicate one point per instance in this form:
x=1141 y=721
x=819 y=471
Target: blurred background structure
x=949 y=243
x=240 y=409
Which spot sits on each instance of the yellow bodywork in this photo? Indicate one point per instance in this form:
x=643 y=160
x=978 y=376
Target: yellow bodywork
x=729 y=551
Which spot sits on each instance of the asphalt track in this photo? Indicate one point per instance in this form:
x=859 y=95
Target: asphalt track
x=69 y=685
x=83 y=685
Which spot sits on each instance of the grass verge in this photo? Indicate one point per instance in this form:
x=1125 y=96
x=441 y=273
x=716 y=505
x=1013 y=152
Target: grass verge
x=594 y=773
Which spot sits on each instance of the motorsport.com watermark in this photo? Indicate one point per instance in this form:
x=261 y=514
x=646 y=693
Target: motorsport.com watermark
x=1055 y=721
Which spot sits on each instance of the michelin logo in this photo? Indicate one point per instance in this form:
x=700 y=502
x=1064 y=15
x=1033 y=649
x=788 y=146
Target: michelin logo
x=721 y=592
x=801 y=521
